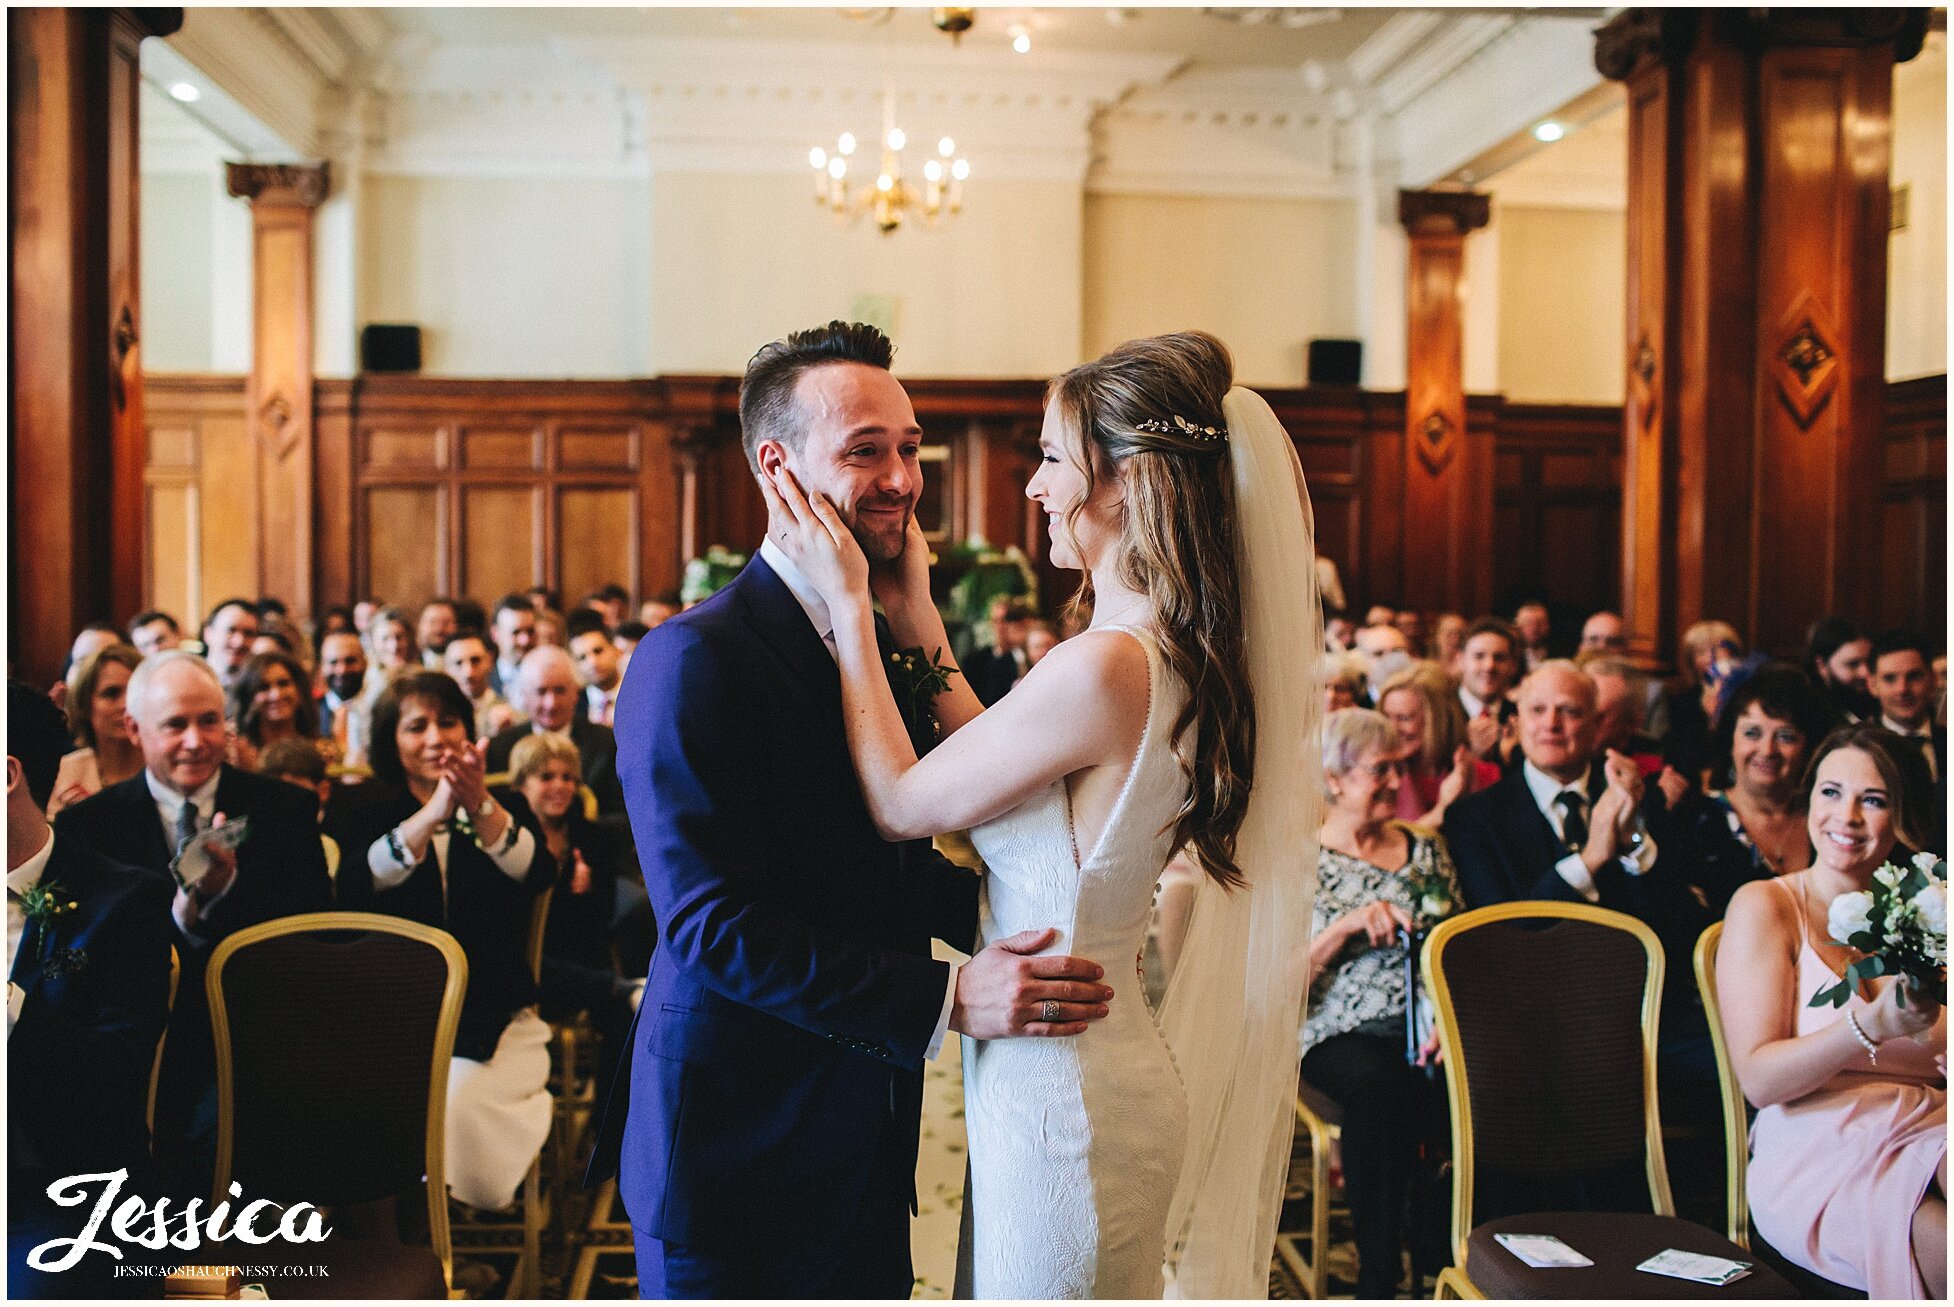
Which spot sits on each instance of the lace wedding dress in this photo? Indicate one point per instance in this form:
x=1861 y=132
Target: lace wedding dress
x=1076 y=1144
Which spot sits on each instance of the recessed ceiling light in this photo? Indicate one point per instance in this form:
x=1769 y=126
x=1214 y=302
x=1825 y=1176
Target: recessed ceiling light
x=1549 y=131
x=186 y=93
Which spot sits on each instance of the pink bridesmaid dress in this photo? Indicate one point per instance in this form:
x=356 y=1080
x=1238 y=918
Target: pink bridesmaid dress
x=1835 y=1176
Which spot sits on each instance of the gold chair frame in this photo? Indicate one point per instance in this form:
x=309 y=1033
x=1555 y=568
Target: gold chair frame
x=1453 y=1281
x=443 y=1053
x=156 y=1062
x=1736 y=1119
x=1313 y=1272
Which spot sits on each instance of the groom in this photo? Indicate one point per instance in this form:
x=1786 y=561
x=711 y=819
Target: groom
x=775 y=1070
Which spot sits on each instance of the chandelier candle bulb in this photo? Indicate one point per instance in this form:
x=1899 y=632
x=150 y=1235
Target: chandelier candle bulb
x=933 y=171
x=819 y=158
x=946 y=147
x=960 y=169
x=846 y=145
x=896 y=139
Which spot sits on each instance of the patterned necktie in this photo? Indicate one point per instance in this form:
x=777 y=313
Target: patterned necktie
x=186 y=824
x=1573 y=806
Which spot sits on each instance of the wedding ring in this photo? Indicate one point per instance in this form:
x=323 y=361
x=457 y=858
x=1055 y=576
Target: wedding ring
x=1049 y=1012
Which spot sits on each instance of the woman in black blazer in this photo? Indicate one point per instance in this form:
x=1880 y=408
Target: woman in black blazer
x=425 y=840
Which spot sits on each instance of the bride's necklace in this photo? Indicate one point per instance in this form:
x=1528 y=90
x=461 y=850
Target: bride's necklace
x=1134 y=607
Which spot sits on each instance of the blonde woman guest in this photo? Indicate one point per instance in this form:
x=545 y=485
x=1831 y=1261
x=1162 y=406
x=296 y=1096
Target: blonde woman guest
x=1708 y=653
x=1448 y=638
x=1343 y=678
x=1848 y=1168
x=271 y=700
x=1375 y=877
x=95 y=717
x=1423 y=706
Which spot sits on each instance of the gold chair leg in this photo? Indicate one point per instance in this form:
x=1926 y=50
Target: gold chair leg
x=1452 y=1283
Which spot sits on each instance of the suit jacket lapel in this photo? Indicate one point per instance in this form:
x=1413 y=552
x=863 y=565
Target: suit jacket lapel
x=140 y=806
x=782 y=623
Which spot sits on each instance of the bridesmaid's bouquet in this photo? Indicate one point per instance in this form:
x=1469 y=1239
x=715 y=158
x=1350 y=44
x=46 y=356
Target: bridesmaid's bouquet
x=1900 y=924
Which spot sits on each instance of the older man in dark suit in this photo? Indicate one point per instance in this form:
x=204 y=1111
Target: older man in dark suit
x=88 y=958
x=549 y=691
x=175 y=709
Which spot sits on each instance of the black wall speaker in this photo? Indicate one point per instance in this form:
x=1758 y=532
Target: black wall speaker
x=396 y=347
x=1336 y=362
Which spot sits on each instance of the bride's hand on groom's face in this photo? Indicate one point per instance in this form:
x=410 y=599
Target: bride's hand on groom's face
x=812 y=533
x=904 y=583
x=1005 y=992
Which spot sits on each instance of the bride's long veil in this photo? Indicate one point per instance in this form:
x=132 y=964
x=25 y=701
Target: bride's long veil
x=1233 y=1006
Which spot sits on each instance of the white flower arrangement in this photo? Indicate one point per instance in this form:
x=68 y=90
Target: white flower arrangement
x=1900 y=925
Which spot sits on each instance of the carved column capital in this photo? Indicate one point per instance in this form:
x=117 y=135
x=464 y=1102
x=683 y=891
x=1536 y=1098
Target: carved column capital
x=1443 y=213
x=303 y=185
x=1634 y=37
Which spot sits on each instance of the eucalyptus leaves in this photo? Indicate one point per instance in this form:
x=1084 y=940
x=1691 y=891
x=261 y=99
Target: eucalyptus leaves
x=922 y=679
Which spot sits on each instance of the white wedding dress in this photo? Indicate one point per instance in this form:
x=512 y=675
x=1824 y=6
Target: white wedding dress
x=1076 y=1144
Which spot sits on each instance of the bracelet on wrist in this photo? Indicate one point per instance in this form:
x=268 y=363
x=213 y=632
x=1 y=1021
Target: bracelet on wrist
x=396 y=849
x=1866 y=1041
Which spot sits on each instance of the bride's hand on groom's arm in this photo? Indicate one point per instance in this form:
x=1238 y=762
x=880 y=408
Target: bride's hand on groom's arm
x=815 y=537
x=1003 y=990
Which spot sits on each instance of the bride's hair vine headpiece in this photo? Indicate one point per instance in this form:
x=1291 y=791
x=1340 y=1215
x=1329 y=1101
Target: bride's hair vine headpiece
x=1180 y=426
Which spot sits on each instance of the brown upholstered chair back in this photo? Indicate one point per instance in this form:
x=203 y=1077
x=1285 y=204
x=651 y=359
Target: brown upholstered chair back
x=1547 y=1012
x=334 y=1033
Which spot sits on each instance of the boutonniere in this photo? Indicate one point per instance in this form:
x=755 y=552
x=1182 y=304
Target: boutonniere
x=64 y=962
x=42 y=904
x=922 y=679
x=1431 y=897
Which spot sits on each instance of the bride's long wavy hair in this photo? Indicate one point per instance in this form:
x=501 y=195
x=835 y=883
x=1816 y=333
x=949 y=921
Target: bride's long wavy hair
x=1177 y=546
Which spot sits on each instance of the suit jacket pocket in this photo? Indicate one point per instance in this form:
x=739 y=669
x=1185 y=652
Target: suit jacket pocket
x=728 y=1039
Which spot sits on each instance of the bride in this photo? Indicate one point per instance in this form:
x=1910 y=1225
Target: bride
x=1180 y=718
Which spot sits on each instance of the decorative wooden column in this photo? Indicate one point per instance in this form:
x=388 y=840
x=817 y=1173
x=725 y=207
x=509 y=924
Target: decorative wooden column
x=1759 y=149
x=1448 y=489
x=279 y=401
x=74 y=317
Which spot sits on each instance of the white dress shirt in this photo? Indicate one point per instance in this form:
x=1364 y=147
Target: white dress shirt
x=816 y=609
x=1923 y=733
x=1545 y=789
x=512 y=860
x=21 y=879
x=169 y=806
x=602 y=703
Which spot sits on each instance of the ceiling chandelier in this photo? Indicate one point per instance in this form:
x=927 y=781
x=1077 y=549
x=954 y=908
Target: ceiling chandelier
x=886 y=194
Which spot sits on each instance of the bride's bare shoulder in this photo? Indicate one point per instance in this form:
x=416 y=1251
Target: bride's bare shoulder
x=1107 y=662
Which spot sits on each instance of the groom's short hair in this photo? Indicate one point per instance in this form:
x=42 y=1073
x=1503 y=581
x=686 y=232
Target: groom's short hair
x=767 y=408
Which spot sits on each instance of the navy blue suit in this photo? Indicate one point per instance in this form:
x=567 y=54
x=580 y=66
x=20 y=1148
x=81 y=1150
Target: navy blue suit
x=775 y=1073
x=96 y=998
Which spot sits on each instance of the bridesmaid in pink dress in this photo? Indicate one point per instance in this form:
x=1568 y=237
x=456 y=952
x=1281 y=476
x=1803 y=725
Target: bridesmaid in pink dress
x=1848 y=1171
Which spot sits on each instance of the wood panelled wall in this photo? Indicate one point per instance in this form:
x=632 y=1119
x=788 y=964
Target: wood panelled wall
x=427 y=486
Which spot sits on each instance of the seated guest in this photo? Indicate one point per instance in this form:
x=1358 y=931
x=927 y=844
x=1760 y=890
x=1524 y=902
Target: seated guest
x=597 y=664
x=1903 y=683
x=1838 y=658
x=301 y=763
x=176 y=716
x=550 y=693
x=1039 y=639
x=1448 y=639
x=552 y=628
x=1530 y=620
x=1751 y=824
x=271 y=701
x=342 y=668
x=95 y=709
x=578 y=972
x=625 y=637
x=228 y=633
x=1376 y=642
x=275 y=635
x=1604 y=633
x=1489 y=661
x=660 y=606
x=1379 y=615
x=1711 y=651
x=1412 y=623
x=93 y=638
x=364 y=611
x=88 y=953
x=1848 y=1168
x=992 y=670
x=332 y=620
x=436 y=626
x=1621 y=705
x=154 y=631
x=514 y=631
x=427 y=841
x=541 y=598
x=468 y=660
x=1343 y=681
x=1439 y=767
x=1339 y=632
x=390 y=643
x=1375 y=878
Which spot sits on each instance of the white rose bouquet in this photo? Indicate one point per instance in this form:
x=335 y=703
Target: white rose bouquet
x=1900 y=924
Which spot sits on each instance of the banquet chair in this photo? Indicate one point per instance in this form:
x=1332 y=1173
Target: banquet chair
x=156 y=1063
x=1322 y=1120
x=333 y=1033
x=475 y=1232
x=1736 y=1136
x=1547 y=1019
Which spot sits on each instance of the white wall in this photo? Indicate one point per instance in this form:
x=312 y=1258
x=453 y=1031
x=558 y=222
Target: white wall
x=1916 y=302
x=1563 y=276
x=1265 y=275
x=176 y=273
x=510 y=277
x=741 y=260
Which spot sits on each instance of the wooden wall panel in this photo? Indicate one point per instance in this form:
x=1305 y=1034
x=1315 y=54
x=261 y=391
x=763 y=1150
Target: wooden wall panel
x=405 y=549
x=170 y=576
x=228 y=516
x=595 y=527
x=501 y=545
x=1912 y=527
